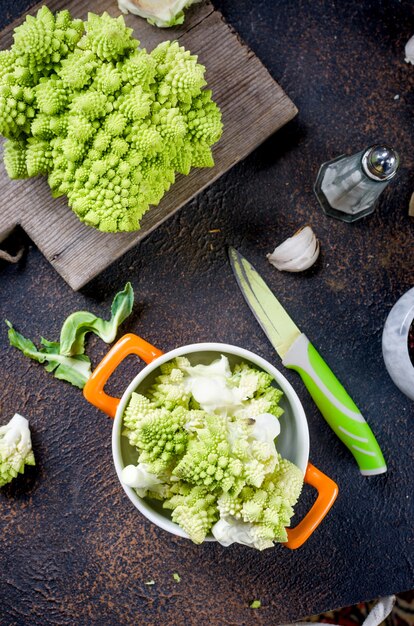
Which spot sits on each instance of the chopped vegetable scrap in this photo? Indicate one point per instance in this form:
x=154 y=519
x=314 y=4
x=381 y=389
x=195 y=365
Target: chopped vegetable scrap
x=109 y=124
x=205 y=440
x=15 y=449
x=66 y=358
x=256 y=604
x=177 y=577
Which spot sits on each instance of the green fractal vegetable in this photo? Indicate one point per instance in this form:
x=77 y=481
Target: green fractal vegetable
x=15 y=449
x=205 y=440
x=66 y=358
x=109 y=124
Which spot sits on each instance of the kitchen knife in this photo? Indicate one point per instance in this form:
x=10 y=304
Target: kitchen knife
x=298 y=354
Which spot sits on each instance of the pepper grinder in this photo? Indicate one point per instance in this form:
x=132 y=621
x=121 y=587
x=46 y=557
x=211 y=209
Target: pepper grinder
x=347 y=187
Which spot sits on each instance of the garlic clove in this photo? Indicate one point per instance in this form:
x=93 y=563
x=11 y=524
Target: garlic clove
x=297 y=253
x=409 y=51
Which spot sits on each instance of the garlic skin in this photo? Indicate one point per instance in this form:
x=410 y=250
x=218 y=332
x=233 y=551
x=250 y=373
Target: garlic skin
x=297 y=253
x=409 y=51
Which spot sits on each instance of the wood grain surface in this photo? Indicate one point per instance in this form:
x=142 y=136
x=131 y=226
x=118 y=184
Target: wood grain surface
x=253 y=107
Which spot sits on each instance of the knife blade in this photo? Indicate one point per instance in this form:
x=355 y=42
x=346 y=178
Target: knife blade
x=298 y=354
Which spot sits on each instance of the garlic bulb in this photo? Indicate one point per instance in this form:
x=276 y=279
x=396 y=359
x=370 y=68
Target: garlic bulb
x=409 y=50
x=297 y=253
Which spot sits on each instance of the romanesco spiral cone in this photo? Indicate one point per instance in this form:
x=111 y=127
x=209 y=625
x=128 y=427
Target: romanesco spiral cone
x=41 y=126
x=15 y=159
x=99 y=100
x=42 y=41
x=138 y=408
x=7 y=64
x=169 y=389
x=51 y=95
x=77 y=69
x=15 y=449
x=139 y=69
x=38 y=157
x=161 y=437
x=16 y=110
x=107 y=37
x=267 y=402
x=194 y=509
x=107 y=79
x=223 y=457
x=136 y=104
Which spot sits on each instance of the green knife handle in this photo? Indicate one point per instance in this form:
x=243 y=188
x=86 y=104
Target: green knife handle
x=342 y=415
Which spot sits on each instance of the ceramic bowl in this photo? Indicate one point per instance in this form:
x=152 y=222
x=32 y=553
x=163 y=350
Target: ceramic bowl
x=292 y=443
x=395 y=343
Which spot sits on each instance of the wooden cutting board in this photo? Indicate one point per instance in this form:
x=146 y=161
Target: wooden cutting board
x=253 y=107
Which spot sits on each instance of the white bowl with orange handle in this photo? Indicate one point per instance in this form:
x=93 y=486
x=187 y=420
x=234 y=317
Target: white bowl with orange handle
x=292 y=442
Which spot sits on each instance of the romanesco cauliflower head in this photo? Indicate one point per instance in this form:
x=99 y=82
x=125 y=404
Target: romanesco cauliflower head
x=117 y=123
x=15 y=449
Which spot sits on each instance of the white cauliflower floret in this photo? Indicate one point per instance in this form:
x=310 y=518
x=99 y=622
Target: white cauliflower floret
x=15 y=448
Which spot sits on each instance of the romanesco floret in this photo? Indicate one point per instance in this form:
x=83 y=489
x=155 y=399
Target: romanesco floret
x=266 y=510
x=161 y=437
x=194 y=509
x=107 y=37
x=94 y=96
x=41 y=42
x=169 y=389
x=15 y=448
x=223 y=457
x=15 y=159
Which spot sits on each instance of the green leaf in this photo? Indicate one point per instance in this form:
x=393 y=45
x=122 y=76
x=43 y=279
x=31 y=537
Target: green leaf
x=24 y=345
x=75 y=370
x=66 y=360
x=77 y=325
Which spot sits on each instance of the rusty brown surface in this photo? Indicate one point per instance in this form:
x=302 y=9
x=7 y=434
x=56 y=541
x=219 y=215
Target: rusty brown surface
x=73 y=550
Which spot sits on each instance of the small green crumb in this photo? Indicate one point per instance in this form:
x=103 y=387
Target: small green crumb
x=150 y=582
x=256 y=604
x=176 y=577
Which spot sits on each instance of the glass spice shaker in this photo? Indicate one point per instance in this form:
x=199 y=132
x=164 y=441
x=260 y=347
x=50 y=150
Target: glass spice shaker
x=347 y=187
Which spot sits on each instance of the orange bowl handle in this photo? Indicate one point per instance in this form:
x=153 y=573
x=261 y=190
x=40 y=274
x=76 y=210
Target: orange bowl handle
x=327 y=493
x=94 y=388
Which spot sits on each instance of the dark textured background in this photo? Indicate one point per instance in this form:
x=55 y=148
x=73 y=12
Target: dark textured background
x=73 y=550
